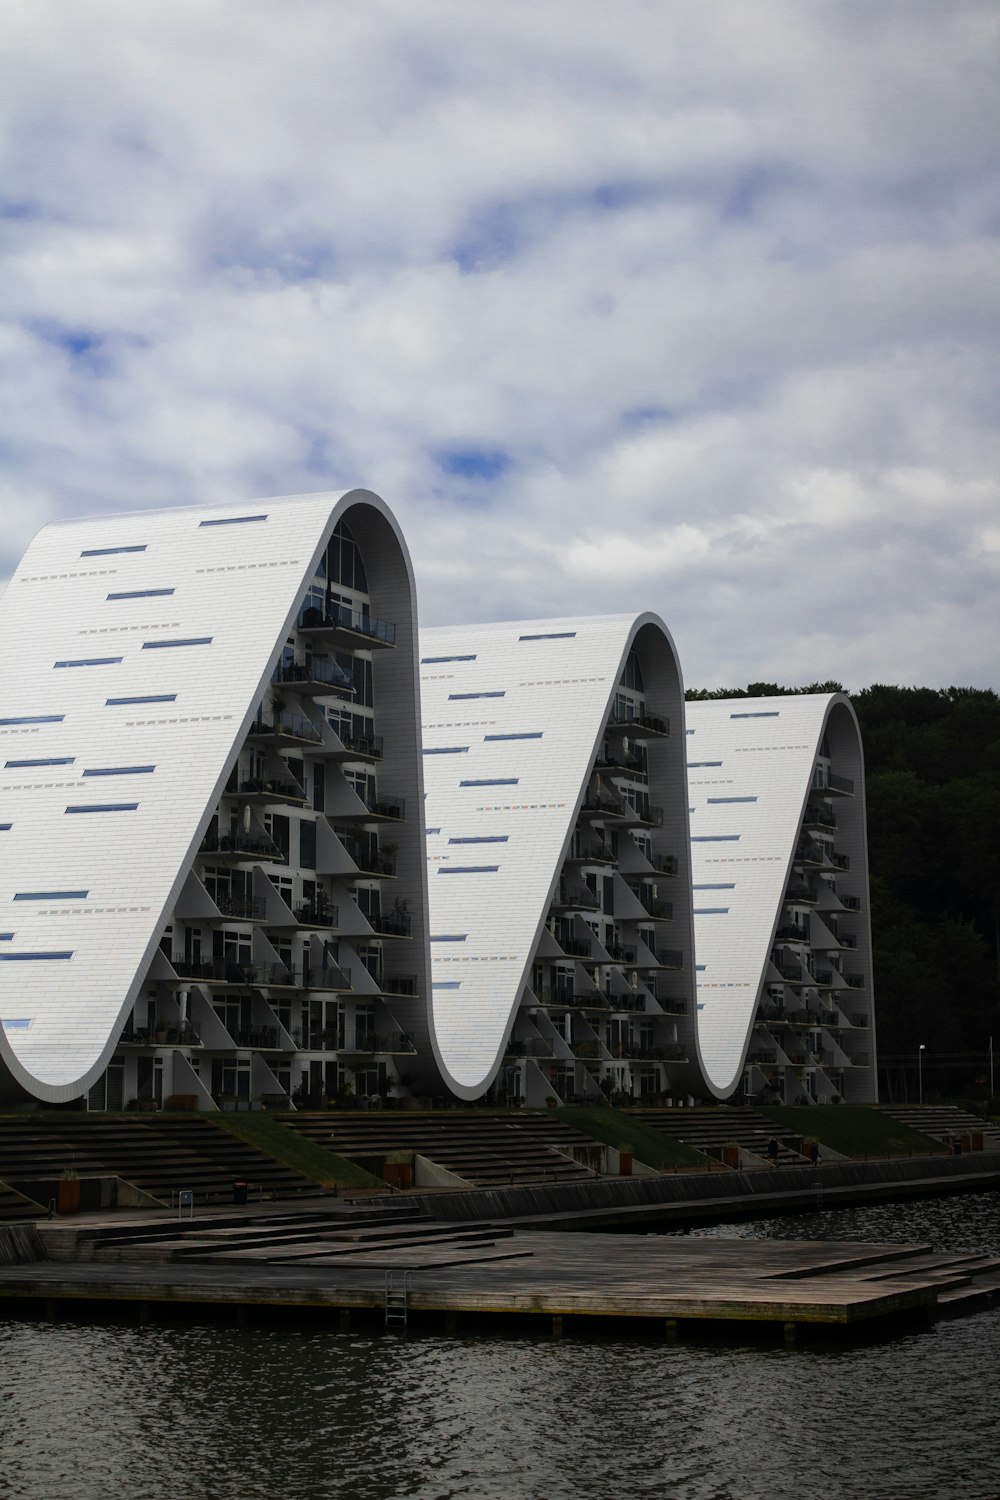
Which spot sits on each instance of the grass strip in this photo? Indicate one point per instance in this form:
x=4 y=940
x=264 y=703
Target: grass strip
x=854 y=1130
x=274 y=1139
x=649 y=1145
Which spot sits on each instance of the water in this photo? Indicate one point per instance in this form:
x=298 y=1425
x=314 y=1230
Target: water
x=213 y=1413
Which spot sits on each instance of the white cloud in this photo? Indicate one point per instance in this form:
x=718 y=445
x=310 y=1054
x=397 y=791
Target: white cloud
x=717 y=280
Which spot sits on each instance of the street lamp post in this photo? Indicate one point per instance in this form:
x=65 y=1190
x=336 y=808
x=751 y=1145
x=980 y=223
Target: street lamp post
x=920 y=1072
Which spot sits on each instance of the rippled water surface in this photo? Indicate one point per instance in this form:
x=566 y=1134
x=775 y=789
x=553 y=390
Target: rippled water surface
x=213 y=1413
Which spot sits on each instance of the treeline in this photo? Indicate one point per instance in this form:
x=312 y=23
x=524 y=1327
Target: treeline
x=932 y=759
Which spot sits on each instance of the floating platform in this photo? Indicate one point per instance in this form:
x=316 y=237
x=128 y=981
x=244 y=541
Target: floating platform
x=405 y=1267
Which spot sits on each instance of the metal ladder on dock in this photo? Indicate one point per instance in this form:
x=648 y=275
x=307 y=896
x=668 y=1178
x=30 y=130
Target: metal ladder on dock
x=397 y=1300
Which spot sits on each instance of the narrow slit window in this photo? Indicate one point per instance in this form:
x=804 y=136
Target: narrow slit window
x=529 y=734
x=232 y=521
x=111 y=551
x=141 y=594
x=492 y=781
x=119 y=770
x=40 y=760
x=90 y=661
x=552 y=635
x=439 y=661
x=104 y=807
x=51 y=895
x=141 y=698
x=446 y=749
x=468 y=870
x=193 y=640
x=461 y=697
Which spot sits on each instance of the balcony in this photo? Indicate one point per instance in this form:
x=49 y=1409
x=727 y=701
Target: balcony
x=399 y=984
x=621 y=760
x=602 y=804
x=256 y=1038
x=842 y=861
x=647 y=816
x=394 y=924
x=569 y=999
x=810 y=853
x=573 y=897
x=819 y=817
x=224 y=971
x=800 y=895
x=269 y=792
x=361 y=747
x=664 y=864
x=619 y=954
x=316 y=914
x=594 y=853
x=286 y=726
x=352 y=626
x=240 y=845
x=655 y=909
x=789 y=933
x=842 y=784
x=318 y=679
x=575 y=947
x=160 y=1036
x=369 y=860
x=672 y=1005
x=240 y=909
x=669 y=958
x=854 y=981
x=851 y=903
x=642 y=727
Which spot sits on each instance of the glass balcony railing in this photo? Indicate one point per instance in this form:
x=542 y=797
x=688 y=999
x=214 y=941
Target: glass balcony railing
x=342 y=617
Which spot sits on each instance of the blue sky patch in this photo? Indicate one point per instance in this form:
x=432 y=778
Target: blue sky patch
x=474 y=463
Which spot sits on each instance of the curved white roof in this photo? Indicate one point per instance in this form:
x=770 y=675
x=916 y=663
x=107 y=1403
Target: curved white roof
x=136 y=647
x=750 y=768
x=513 y=716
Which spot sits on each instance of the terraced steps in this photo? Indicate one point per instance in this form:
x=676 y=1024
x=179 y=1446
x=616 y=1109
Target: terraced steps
x=711 y=1129
x=160 y=1158
x=944 y=1122
x=482 y=1148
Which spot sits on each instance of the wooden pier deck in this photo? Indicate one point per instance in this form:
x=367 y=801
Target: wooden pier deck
x=457 y=1272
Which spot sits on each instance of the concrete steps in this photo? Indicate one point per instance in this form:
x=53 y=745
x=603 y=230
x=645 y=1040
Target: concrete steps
x=709 y=1130
x=944 y=1122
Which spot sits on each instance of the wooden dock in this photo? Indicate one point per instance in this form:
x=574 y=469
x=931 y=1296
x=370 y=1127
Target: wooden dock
x=455 y=1273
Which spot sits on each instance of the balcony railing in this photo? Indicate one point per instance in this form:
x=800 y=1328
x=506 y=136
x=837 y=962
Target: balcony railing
x=243 y=846
x=851 y=903
x=842 y=861
x=241 y=908
x=340 y=616
x=392 y=924
x=576 y=897
x=574 y=947
x=649 y=723
x=285 y=791
x=802 y=895
x=316 y=914
x=226 y=971
x=294 y=726
x=669 y=958
x=601 y=802
x=619 y=953
x=647 y=815
x=370 y=861
x=840 y=783
x=386 y=807
x=327 y=673
x=819 y=817
x=593 y=853
x=367 y=746
x=256 y=1037
x=399 y=984
x=855 y=981
x=666 y=864
x=621 y=760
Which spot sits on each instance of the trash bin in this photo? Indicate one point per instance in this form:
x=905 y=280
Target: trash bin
x=240 y=1190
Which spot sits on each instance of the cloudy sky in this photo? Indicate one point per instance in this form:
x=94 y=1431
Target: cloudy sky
x=689 y=305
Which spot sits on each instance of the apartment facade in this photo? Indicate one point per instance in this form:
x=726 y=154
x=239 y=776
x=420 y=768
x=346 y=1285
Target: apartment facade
x=211 y=809
x=779 y=862
x=557 y=856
